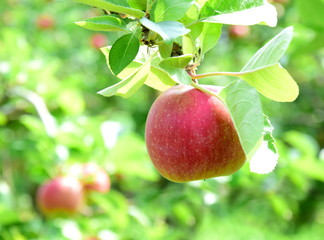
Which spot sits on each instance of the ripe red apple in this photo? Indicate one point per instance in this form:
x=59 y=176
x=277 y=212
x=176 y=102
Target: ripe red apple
x=238 y=31
x=98 y=40
x=45 y=22
x=95 y=178
x=60 y=196
x=190 y=135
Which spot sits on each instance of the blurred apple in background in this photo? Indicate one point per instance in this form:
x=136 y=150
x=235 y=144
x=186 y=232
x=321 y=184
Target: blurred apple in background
x=98 y=40
x=94 y=178
x=60 y=196
x=45 y=22
x=238 y=31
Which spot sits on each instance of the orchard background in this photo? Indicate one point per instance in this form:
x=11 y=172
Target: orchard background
x=51 y=118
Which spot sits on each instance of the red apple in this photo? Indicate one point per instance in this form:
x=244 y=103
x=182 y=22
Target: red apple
x=98 y=40
x=95 y=178
x=190 y=135
x=45 y=22
x=238 y=31
x=60 y=196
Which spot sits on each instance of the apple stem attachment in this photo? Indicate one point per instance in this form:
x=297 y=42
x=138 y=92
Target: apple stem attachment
x=199 y=87
x=199 y=76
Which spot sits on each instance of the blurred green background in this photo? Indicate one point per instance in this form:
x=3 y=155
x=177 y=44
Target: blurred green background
x=51 y=118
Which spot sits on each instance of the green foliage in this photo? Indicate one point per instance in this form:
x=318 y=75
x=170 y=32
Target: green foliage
x=175 y=67
x=169 y=10
x=250 y=123
x=123 y=52
x=120 y=6
x=103 y=23
x=50 y=119
x=265 y=81
x=272 y=52
x=168 y=30
x=264 y=14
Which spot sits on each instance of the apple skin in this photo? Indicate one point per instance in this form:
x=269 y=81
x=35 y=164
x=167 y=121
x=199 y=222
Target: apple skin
x=60 y=196
x=190 y=135
x=95 y=178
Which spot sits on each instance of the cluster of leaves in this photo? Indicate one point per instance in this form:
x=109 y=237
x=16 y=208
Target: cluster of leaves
x=163 y=42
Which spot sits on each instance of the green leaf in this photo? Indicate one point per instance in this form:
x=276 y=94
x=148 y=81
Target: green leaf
x=178 y=75
x=266 y=15
x=119 y=6
x=175 y=67
x=165 y=50
x=265 y=159
x=159 y=79
x=216 y=7
x=272 y=52
x=168 y=30
x=130 y=69
x=123 y=52
x=130 y=85
x=103 y=23
x=245 y=108
x=269 y=78
x=188 y=45
x=176 y=62
x=169 y=10
x=207 y=35
x=191 y=15
x=138 y=4
x=273 y=82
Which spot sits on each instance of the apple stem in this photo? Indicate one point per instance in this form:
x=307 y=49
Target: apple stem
x=199 y=87
x=199 y=76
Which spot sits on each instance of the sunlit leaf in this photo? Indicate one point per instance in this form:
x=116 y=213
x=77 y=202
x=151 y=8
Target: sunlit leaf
x=216 y=7
x=123 y=52
x=119 y=6
x=205 y=35
x=130 y=85
x=103 y=23
x=265 y=159
x=176 y=62
x=159 y=79
x=165 y=50
x=138 y=4
x=191 y=15
x=175 y=66
x=169 y=10
x=271 y=52
x=168 y=30
x=266 y=15
x=273 y=82
x=245 y=108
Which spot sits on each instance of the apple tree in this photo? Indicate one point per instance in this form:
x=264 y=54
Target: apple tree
x=161 y=43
